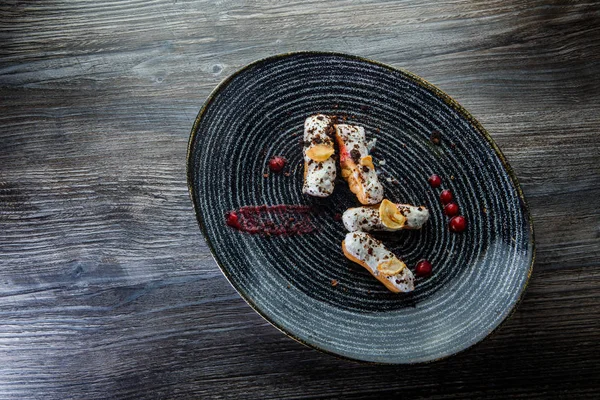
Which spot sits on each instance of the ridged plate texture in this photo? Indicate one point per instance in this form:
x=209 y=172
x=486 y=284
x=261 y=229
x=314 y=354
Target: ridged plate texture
x=479 y=275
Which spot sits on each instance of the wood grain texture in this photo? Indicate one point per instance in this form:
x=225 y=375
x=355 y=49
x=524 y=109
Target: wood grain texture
x=107 y=289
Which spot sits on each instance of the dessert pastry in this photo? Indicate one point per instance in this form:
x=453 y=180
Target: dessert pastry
x=319 y=163
x=357 y=165
x=369 y=252
x=385 y=217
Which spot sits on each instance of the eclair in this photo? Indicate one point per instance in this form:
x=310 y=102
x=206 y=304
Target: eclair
x=385 y=217
x=357 y=165
x=319 y=163
x=370 y=253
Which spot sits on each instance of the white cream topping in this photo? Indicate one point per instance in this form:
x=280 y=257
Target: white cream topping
x=358 y=244
x=416 y=217
x=354 y=139
x=368 y=219
x=320 y=176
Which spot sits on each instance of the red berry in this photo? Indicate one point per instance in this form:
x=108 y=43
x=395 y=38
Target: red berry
x=232 y=220
x=435 y=181
x=458 y=224
x=451 y=209
x=446 y=196
x=277 y=163
x=423 y=268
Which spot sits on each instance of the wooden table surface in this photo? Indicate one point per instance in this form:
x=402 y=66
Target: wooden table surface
x=107 y=288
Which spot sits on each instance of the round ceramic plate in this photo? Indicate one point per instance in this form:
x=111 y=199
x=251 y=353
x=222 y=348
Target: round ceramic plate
x=303 y=284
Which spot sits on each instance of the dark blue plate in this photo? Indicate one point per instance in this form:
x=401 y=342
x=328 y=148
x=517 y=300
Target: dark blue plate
x=479 y=275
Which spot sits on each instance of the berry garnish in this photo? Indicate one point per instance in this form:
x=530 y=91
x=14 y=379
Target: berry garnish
x=423 y=268
x=435 y=181
x=451 y=209
x=232 y=220
x=277 y=163
x=458 y=224
x=446 y=196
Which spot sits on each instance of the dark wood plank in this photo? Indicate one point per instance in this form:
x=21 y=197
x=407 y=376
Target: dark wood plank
x=107 y=288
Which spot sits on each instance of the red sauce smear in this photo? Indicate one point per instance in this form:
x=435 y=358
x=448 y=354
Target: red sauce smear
x=344 y=153
x=276 y=220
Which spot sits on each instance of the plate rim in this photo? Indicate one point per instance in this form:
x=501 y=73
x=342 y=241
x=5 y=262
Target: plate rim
x=448 y=100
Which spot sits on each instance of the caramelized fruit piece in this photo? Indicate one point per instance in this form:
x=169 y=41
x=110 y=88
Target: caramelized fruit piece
x=390 y=216
x=391 y=267
x=367 y=161
x=320 y=152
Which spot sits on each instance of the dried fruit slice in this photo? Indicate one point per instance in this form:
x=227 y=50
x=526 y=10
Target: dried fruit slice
x=367 y=161
x=320 y=152
x=390 y=216
x=390 y=267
